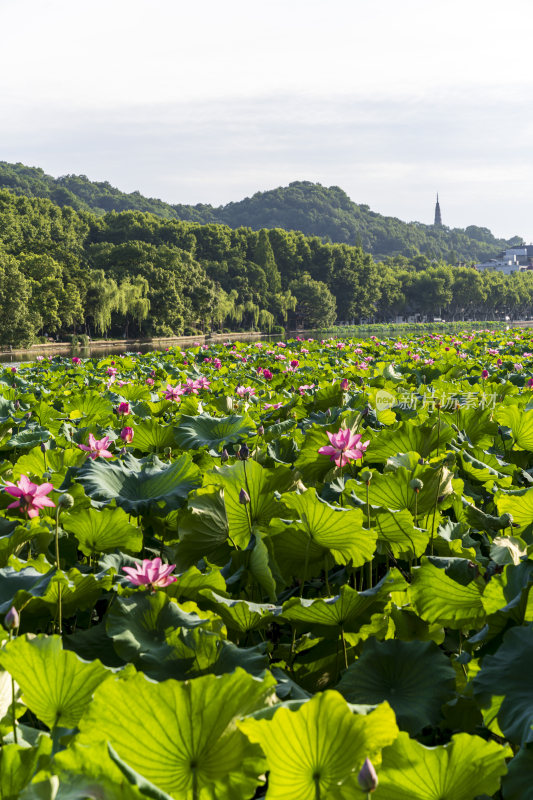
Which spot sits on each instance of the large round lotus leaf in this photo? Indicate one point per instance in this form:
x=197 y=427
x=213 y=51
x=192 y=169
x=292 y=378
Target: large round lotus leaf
x=151 y=435
x=507 y=673
x=337 y=530
x=261 y=485
x=315 y=749
x=464 y=769
x=408 y=436
x=186 y=743
x=136 y=484
x=437 y=598
x=56 y=684
x=103 y=531
x=212 y=432
x=416 y=679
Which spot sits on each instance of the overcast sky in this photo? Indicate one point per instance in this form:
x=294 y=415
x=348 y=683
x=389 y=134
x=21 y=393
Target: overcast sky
x=211 y=101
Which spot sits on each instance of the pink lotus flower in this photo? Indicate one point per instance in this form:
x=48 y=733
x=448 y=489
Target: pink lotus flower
x=484 y=374
x=345 y=447
x=97 y=447
x=267 y=375
x=173 y=393
x=76 y=360
x=243 y=391
x=32 y=498
x=202 y=383
x=127 y=434
x=530 y=383
x=123 y=409
x=275 y=405
x=110 y=370
x=345 y=384
x=149 y=381
x=190 y=386
x=151 y=573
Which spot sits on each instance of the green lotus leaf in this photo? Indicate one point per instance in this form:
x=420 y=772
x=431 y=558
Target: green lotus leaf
x=103 y=531
x=139 y=625
x=151 y=436
x=476 y=423
x=136 y=485
x=88 y=404
x=187 y=743
x=408 y=436
x=17 y=587
x=260 y=484
x=27 y=438
x=397 y=534
x=464 y=769
x=203 y=529
x=439 y=599
x=242 y=615
x=311 y=464
x=55 y=461
x=18 y=764
x=517 y=785
x=347 y=611
x=416 y=679
x=212 y=432
x=88 y=773
x=57 y=686
x=503 y=674
x=521 y=424
x=392 y=490
x=189 y=584
x=79 y=592
x=315 y=749
x=519 y=505
x=482 y=467
x=339 y=531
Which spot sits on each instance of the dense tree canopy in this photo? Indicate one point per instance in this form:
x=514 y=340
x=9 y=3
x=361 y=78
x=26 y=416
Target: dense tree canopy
x=316 y=210
x=131 y=273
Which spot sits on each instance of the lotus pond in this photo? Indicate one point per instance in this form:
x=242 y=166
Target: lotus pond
x=300 y=569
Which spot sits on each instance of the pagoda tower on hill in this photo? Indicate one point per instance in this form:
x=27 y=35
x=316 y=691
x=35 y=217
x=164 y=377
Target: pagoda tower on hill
x=438 y=218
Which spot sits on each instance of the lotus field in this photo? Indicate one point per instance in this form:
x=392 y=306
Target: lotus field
x=301 y=570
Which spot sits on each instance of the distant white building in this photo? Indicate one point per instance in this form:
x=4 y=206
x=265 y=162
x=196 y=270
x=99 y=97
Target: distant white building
x=514 y=259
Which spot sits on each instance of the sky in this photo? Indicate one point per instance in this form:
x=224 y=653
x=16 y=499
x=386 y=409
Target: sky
x=209 y=102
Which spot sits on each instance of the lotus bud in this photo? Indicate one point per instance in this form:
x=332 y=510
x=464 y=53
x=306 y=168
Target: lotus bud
x=244 y=452
x=65 y=500
x=127 y=434
x=345 y=384
x=224 y=455
x=506 y=520
x=416 y=484
x=47 y=476
x=261 y=430
x=244 y=497
x=328 y=412
x=12 y=619
x=366 y=476
x=17 y=404
x=368 y=777
x=43 y=447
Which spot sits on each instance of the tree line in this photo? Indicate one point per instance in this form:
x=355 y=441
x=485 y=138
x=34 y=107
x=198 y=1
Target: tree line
x=129 y=274
x=316 y=210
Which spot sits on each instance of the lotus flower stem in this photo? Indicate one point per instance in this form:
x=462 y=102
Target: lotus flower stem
x=368 y=525
x=439 y=479
x=305 y=567
x=13 y=693
x=59 y=608
x=328 y=590
x=345 y=654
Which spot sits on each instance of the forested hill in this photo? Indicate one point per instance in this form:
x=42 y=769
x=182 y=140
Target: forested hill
x=314 y=209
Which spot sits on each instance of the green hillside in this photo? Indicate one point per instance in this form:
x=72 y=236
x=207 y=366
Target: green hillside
x=314 y=209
